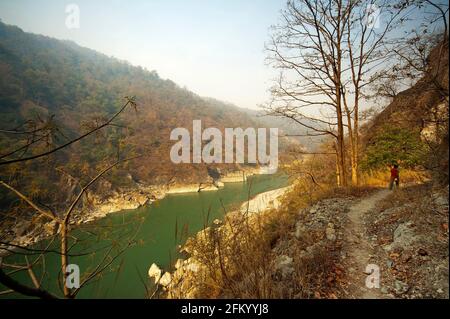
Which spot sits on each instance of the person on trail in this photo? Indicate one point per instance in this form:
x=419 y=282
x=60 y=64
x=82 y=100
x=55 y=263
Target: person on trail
x=395 y=178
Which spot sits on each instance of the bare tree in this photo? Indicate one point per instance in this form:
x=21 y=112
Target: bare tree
x=308 y=48
x=329 y=53
x=370 y=45
x=413 y=51
x=62 y=220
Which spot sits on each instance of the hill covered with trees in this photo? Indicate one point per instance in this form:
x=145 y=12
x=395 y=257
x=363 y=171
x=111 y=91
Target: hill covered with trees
x=57 y=90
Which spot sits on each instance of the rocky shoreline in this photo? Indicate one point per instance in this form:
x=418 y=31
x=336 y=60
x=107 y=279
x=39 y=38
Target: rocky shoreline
x=28 y=233
x=179 y=282
x=265 y=201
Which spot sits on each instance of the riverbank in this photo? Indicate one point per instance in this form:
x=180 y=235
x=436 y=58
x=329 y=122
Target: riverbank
x=265 y=201
x=181 y=281
x=153 y=230
x=322 y=249
x=287 y=250
x=30 y=232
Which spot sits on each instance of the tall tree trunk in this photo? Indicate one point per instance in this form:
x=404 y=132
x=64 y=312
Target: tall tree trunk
x=341 y=149
x=64 y=259
x=355 y=144
x=338 y=86
x=353 y=148
x=340 y=135
x=338 y=178
x=353 y=136
x=354 y=164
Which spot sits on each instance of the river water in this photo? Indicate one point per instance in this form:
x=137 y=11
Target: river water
x=157 y=230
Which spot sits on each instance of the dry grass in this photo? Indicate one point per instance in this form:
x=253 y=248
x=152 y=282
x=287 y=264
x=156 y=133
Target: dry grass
x=238 y=259
x=234 y=258
x=381 y=178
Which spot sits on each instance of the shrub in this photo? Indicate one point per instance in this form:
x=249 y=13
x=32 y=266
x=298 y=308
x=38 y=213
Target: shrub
x=394 y=144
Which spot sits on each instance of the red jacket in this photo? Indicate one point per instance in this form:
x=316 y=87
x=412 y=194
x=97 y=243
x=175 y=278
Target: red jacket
x=394 y=172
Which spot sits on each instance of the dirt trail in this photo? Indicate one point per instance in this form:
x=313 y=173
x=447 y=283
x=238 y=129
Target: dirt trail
x=358 y=247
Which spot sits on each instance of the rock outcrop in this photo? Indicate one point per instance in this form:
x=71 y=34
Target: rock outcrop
x=27 y=233
x=154 y=272
x=264 y=201
x=410 y=240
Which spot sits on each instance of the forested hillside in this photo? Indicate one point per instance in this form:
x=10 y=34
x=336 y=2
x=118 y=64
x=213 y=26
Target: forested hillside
x=64 y=89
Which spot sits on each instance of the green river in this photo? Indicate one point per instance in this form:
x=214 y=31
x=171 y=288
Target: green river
x=158 y=229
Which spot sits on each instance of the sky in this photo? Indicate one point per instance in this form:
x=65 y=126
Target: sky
x=215 y=48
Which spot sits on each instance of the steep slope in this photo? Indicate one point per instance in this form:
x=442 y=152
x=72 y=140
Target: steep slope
x=418 y=105
x=73 y=88
x=413 y=128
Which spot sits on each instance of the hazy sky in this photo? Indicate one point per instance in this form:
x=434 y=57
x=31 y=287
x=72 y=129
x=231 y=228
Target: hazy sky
x=213 y=47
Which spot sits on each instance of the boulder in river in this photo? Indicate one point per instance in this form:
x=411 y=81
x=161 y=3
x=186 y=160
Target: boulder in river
x=165 y=279
x=179 y=263
x=154 y=272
